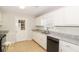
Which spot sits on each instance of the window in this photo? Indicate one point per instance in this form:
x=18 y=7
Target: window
x=22 y=24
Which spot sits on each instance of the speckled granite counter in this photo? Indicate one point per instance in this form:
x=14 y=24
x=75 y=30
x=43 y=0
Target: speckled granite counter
x=3 y=31
x=2 y=36
x=74 y=39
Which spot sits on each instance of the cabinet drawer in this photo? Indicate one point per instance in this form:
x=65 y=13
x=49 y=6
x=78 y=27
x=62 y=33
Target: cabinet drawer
x=68 y=47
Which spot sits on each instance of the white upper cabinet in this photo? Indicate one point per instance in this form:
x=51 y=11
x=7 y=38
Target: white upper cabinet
x=66 y=16
x=48 y=20
x=72 y=16
x=40 y=21
x=58 y=17
x=45 y=20
x=53 y=18
x=0 y=16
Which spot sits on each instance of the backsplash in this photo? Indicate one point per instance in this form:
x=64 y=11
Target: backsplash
x=43 y=27
x=69 y=30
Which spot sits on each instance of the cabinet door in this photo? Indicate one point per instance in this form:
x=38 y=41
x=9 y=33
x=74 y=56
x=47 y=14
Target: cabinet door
x=35 y=37
x=66 y=16
x=1 y=21
x=68 y=47
x=58 y=17
x=39 y=21
x=48 y=20
x=72 y=16
x=43 y=40
x=0 y=16
x=40 y=38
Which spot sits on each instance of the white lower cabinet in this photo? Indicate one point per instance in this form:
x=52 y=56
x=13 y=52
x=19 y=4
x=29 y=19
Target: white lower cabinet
x=68 y=47
x=40 y=38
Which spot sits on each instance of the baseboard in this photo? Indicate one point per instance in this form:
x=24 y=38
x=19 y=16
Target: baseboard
x=39 y=45
x=20 y=41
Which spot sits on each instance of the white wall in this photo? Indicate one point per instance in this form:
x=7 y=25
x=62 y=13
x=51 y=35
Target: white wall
x=9 y=22
x=27 y=33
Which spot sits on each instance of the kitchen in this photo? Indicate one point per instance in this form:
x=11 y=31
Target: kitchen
x=53 y=28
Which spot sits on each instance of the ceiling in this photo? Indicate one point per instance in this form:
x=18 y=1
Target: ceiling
x=29 y=10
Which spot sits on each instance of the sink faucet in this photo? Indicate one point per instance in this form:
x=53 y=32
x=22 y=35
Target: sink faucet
x=47 y=28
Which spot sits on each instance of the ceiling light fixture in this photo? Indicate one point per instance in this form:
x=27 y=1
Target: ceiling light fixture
x=21 y=7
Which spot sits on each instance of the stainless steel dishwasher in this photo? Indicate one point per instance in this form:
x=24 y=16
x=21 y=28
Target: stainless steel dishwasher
x=52 y=44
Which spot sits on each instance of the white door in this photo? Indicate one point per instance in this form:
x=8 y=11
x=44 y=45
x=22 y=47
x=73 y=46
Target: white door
x=20 y=34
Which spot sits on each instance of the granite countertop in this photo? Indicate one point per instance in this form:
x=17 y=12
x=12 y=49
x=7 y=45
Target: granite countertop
x=3 y=31
x=41 y=31
x=74 y=39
